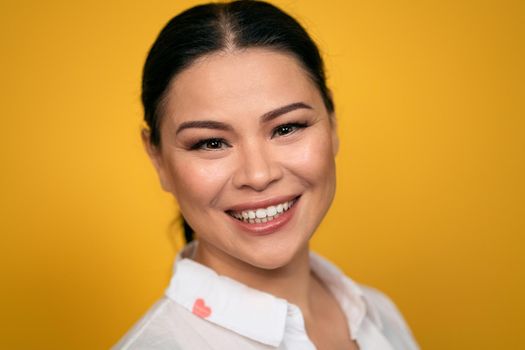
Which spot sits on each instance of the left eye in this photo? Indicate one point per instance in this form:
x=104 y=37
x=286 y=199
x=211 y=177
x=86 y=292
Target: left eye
x=285 y=129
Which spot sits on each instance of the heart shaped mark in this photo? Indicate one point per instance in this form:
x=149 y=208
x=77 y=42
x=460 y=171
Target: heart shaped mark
x=200 y=309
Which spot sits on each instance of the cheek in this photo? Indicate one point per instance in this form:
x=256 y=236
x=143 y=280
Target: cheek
x=198 y=182
x=312 y=159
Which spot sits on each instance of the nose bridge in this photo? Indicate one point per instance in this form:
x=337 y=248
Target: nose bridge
x=258 y=166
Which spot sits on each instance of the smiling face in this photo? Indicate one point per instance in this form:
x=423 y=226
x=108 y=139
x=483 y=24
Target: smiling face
x=247 y=148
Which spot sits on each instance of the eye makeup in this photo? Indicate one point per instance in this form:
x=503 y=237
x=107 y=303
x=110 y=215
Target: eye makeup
x=209 y=144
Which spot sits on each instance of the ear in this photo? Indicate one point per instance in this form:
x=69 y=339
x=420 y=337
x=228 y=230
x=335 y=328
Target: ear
x=335 y=137
x=155 y=155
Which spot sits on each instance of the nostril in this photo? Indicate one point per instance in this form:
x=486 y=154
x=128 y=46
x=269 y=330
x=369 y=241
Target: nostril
x=257 y=167
x=255 y=180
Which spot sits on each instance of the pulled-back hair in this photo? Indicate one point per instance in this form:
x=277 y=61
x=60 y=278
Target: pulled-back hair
x=208 y=28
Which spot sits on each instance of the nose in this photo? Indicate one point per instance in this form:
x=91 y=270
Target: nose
x=258 y=167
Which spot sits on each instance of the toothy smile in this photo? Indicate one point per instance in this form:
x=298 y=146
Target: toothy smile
x=260 y=215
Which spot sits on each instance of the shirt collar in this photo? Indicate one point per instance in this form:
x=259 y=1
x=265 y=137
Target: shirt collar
x=226 y=302
x=252 y=313
x=350 y=296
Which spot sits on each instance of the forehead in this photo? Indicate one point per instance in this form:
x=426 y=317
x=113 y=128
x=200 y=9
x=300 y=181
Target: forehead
x=239 y=82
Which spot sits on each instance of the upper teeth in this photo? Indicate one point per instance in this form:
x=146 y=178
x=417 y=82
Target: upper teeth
x=262 y=214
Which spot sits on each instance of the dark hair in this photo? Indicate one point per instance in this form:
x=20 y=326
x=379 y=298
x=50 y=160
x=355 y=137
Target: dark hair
x=212 y=27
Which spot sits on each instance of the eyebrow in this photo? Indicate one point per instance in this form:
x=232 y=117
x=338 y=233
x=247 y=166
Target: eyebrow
x=204 y=124
x=266 y=117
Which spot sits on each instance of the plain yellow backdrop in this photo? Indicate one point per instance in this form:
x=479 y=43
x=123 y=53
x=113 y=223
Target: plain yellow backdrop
x=430 y=205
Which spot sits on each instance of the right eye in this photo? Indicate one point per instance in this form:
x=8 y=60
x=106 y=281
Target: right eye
x=210 y=145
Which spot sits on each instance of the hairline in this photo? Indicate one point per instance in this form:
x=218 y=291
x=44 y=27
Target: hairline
x=160 y=109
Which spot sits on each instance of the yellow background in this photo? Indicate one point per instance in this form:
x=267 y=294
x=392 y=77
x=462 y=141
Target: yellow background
x=431 y=197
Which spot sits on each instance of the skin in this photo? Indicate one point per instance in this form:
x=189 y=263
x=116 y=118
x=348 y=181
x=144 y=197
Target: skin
x=209 y=170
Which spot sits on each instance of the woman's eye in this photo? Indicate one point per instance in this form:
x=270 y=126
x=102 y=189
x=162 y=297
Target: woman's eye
x=285 y=129
x=210 y=144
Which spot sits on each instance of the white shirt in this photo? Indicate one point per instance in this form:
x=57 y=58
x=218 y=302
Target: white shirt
x=202 y=310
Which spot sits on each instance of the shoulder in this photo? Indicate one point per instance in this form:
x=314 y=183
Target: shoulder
x=372 y=304
x=382 y=307
x=155 y=328
x=385 y=314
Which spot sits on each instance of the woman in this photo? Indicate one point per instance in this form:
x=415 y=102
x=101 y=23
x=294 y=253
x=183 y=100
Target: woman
x=241 y=130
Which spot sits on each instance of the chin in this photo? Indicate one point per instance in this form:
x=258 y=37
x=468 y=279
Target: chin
x=270 y=264
x=272 y=257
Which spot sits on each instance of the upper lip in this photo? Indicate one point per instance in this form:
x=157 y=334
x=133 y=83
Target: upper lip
x=262 y=203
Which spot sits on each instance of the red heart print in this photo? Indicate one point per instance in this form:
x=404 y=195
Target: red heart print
x=200 y=309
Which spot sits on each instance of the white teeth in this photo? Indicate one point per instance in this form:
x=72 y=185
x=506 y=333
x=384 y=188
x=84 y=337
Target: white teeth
x=263 y=214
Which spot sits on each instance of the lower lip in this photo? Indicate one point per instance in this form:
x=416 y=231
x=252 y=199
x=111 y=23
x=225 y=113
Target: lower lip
x=269 y=227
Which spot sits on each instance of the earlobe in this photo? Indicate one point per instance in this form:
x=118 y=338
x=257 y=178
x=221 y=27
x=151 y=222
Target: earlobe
x=155 y=157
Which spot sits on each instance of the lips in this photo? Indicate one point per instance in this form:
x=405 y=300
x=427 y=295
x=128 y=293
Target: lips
x=260 y=209
x=262 y=214
x=273 y=224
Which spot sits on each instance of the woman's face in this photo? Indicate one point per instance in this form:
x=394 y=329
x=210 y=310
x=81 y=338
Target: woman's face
x=245 y=135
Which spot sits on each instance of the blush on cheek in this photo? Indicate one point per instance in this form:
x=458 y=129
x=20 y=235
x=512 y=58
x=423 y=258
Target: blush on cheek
x=201 y=181
x=312 y=158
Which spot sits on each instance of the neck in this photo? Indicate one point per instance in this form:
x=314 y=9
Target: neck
x=276 y=281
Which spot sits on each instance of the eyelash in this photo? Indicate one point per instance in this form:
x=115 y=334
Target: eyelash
x=295 y=126
x=201 y=145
